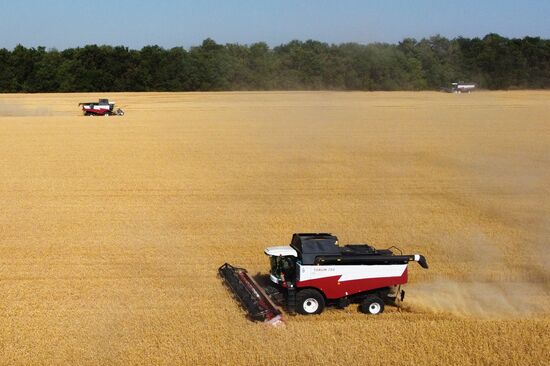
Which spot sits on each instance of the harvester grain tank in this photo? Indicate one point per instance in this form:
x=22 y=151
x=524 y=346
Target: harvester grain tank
x=314 y=271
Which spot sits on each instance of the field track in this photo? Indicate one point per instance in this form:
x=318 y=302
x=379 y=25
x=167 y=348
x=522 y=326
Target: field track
x=112 y=228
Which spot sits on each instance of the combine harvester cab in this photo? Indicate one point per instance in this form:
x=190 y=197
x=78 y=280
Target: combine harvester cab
x=314 y=271
x=101 y=108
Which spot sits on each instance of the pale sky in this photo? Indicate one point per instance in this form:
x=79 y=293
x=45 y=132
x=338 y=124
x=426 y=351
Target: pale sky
x=135 y=23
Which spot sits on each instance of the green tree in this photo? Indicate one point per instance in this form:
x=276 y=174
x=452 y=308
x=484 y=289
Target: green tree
x=493 y=62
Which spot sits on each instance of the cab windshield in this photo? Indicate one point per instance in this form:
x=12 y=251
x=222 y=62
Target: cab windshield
x=285 y=265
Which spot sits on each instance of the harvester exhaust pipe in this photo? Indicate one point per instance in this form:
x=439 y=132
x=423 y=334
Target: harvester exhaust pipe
x=250 y=295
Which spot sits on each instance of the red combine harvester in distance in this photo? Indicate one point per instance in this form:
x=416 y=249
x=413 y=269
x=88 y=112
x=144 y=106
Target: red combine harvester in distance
x=314 y=271
x=101 y=108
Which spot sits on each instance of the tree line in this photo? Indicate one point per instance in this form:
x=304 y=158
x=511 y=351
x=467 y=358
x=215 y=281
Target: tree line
x=493 y=62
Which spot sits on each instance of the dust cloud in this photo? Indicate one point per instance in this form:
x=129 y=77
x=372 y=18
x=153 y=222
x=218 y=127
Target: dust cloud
x=518 y=291
x=489 y=300
x=10 y=109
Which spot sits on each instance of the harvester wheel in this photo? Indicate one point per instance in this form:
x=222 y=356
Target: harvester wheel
x=372 y=304
x=309 y=302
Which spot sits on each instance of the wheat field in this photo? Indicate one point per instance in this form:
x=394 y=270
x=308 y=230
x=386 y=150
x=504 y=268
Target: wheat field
x=112 y=228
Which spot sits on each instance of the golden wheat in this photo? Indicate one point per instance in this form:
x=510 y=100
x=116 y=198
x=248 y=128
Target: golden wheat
x=112 y=228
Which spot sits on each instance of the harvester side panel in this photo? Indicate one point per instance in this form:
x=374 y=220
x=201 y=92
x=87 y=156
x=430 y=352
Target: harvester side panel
x=337 y=281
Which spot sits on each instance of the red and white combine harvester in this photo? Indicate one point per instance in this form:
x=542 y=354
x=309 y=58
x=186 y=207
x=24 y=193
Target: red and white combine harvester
x=101 y=108
x=461 y=87
x=314 y=271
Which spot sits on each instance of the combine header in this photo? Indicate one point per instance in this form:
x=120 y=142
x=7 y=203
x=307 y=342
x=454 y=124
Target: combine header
x=250 y=294
x=314 y=271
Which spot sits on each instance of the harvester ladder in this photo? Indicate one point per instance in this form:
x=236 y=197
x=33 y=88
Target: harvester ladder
x=291 y=300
